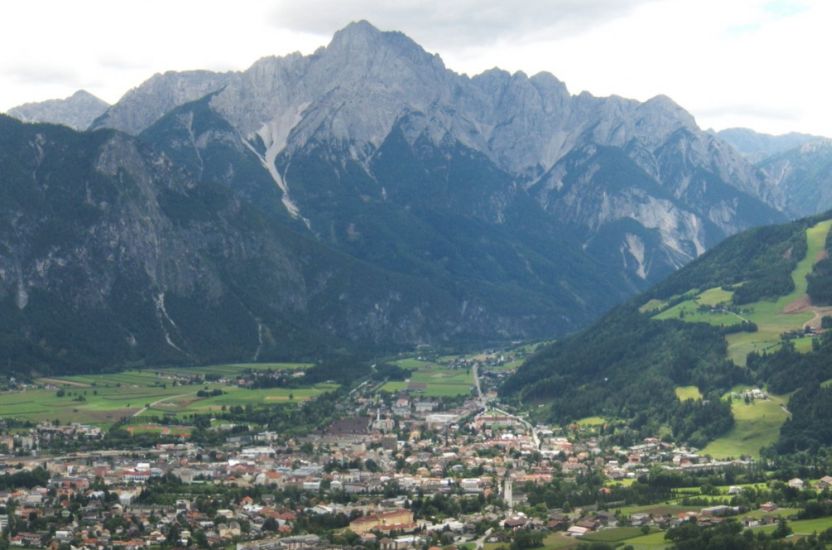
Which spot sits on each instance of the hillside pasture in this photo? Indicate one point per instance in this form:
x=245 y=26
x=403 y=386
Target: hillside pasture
x=757 y=425
x=771 y=316
x=703 y=307
x=686 y=393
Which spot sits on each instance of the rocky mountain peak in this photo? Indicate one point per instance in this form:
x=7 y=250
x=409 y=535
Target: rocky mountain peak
x=361 y=50
x=145 y=104
x=76 y=111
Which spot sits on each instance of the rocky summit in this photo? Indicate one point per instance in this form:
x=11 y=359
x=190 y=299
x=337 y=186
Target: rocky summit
x=361 y=196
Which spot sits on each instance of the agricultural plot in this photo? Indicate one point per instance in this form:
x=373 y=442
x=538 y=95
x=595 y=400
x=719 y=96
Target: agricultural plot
x=106 y=398
x=591 y=421
x=757 y=425
x=652 y=541
x=700 y=307
x=803 y=527
x=558 y=541
x=235 y=396
x=617 y=534
x=234 y=368
x=432 y=379
x=685 y=393
x=771 y=316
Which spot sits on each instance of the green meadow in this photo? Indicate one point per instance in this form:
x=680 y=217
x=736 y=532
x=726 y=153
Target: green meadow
x=432 y=379
x=685 y=393
x=756 y=425
x=769 y=315
x=106 y=398
x=689 y=310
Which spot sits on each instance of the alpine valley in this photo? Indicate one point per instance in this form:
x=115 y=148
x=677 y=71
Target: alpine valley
x=364 y=197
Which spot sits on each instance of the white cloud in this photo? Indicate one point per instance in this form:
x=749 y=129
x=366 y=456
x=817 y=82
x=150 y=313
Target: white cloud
x=757 y=63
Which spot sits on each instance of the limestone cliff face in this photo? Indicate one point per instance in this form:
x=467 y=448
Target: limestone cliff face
x=114 y=251
x=349 y=96
x=76 y=111
x=145 y=104
x=796 y=167
x=362 y=197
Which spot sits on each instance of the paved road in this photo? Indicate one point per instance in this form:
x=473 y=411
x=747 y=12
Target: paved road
x=477 y=384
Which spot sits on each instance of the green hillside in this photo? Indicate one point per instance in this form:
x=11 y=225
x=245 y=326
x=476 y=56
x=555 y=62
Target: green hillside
x=747 y=312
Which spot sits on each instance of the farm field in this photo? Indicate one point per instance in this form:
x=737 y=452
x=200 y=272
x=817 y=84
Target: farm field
x=591 y=421
x=685 y=393
x=554 y=541
x=432 y=379
x=688 y=310
x=769 y=315
x=617 y=534
x=234 y=396
x=756 y=425
x=652 y=541
x=803 y=526
x=231 y=369
x=106 y=398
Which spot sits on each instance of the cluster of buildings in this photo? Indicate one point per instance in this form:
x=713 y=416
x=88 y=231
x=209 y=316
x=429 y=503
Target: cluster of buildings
x=365 y=473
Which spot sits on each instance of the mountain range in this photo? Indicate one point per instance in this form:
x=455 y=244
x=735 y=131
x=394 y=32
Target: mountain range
x=362 y=197
x=797 y=167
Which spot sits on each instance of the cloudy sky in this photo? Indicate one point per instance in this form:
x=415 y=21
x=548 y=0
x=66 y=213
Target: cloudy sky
x=754 y=63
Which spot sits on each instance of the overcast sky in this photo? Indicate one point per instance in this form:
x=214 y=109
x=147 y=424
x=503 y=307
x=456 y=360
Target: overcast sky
x=755 y=63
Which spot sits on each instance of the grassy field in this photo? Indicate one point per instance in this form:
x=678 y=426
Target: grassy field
x=617 y=534
x=591 y=421
x=432 y=379
x=105 y=398
x=557 y=541
x=756 y=426
x=803 y=344
x=769 y=316
x=803 y=526
x=554 y=541
x=648 y=542
x=232 y=369
x=780 y=512
x=689 y=309
x=685 y=393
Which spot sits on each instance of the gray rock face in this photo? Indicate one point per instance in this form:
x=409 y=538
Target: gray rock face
x=144 y=105
x=796 y=168
x=113 y=253
x=757 y=146
x=76 y=111
x=352 y=93
x=802 y=177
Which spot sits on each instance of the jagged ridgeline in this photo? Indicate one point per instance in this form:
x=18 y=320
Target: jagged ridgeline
x=362 y=198
x=749 y=312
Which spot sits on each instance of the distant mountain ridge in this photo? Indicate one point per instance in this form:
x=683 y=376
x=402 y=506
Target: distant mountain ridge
x=350 y=96
x=77 y=111
x=797 y=167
